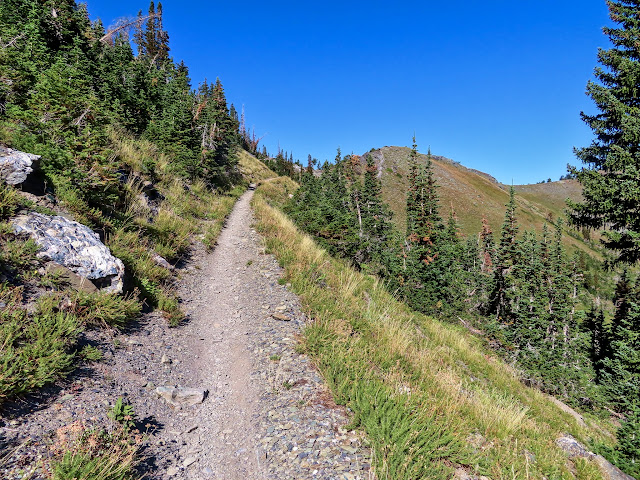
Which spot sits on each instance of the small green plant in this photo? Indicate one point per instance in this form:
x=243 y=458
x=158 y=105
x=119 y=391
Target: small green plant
x=249 y=263
x=287 y=385
x=275 y=358
x=123 y=413
x=169 y=304
x=9 y=200
x=36 y=350
x=90 y=353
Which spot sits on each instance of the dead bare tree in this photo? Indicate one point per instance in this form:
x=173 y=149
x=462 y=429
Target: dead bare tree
x=123 y=25
x=12 y=41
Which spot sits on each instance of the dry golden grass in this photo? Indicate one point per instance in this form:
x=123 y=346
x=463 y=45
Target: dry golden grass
x=252 y=169
x=473 y=194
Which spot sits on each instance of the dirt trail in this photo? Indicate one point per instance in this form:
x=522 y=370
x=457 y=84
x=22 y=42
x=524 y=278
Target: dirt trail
x=268 y=413
x=219 y=326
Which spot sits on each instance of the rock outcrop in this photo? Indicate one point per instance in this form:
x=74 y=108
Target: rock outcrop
x=15 y=165
x=74 y=246
x=575 y=449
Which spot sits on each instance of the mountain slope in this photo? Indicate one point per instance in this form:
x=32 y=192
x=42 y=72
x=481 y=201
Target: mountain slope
x=430 y=397
x=473 y=194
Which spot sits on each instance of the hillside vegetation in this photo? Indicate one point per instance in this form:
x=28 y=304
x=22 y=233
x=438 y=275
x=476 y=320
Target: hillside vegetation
x=474 y=195
x=428 y=395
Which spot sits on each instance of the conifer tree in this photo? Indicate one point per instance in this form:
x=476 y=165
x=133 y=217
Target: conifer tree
x=412 y=191
x=621 y=367
x=611 y=179
x=487 y=247
x=627 y=451
x=425 y=278
x=376 y=218
x=500 y=302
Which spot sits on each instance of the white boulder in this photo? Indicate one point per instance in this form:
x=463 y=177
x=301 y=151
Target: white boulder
x=74 y=246
x=15 y=165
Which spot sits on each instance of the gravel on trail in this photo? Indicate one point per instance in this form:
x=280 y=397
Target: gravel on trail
x=266 y=413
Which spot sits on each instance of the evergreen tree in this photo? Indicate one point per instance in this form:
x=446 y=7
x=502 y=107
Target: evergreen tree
x=621 y=366
x=611 y=181
x=376 y=218
x=627 y=451
x=500 y=301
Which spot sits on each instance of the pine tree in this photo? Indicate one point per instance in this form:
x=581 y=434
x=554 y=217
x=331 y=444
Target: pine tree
x=412 y=191
x=376 y=218
x=425 y=278
x=500 y=301
x=621 y=367
x=611 y=180
x=487 y=247
x=627 y=450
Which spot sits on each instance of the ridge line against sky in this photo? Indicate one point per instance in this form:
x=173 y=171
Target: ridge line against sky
x=497 y=86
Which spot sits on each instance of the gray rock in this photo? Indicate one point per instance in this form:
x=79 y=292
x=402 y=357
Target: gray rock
x=15 y=165
x=181 y=396
x=574 y=449
x=171 y=471
x=72 y=279
x=160 y=261
x=609 y=471
x=189 y=461
x=73 y=245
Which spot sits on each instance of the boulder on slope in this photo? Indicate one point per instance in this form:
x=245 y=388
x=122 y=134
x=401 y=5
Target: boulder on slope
x=75 y=246
x=15 y=165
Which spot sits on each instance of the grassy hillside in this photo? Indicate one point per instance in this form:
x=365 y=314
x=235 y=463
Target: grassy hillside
x=252 y=169
x=429 y=396
x=474 y=194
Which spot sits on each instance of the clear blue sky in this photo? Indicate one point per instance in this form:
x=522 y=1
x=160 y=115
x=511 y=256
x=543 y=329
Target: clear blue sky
x=497 y=85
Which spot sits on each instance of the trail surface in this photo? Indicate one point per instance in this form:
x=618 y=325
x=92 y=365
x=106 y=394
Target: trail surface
x=268 y=413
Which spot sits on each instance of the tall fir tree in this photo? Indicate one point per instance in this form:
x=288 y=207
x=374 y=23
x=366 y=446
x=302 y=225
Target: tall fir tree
x=611 y=179
x=500 y=301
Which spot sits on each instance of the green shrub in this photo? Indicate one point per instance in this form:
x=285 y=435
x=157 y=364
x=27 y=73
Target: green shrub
x=90 y=353
x=9 y=200
x=34 y=351
x=93 y=309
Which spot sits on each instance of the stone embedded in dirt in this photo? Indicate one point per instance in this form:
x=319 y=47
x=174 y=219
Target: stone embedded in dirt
x=462 y=474
x=74 y=246
x=15 y=165
x=181 y=396
x=171 y=471
x=189 y=461
x=165 y=360
x=70 y=278
x=160 y=261
x=279 y=316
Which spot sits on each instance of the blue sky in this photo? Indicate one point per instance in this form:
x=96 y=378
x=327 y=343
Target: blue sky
x=496 y=85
